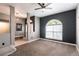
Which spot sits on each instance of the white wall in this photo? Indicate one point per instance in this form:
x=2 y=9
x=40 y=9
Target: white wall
x=4 y=37
x=77 y=25
x=12 y=25
x=31 y=35
x=36 y=34
x=8 y=38
x=21 y=21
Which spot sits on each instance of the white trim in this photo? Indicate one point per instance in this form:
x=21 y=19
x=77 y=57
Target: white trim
x=7 y=50
x=77 y=47
x=29 y=41
x=77 y=38
x=39 y=39
x=59 y=42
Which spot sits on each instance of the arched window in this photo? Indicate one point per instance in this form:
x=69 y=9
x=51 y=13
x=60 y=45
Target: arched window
x=54 y=29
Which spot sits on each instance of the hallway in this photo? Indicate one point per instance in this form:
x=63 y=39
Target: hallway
x=19 y=42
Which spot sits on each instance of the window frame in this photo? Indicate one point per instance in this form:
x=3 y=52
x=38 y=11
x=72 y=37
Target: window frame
x=53 y=32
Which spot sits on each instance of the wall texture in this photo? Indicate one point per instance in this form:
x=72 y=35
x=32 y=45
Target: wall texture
x=68 y=19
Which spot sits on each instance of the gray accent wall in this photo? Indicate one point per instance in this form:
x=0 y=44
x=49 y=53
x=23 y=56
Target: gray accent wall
x=68 y=18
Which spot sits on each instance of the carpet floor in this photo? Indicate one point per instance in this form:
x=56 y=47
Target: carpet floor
x=45 y=48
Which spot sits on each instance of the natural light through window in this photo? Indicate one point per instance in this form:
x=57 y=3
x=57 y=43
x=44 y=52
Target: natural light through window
x=54 y=29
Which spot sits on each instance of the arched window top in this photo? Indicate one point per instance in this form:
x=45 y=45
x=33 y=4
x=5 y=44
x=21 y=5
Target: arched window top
x=53 y=22
x=54 y=29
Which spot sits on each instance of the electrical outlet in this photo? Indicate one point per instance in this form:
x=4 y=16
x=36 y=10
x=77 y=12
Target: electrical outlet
x=3 y=43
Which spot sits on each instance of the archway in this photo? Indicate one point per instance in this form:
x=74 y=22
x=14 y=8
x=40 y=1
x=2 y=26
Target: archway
x=54 y=29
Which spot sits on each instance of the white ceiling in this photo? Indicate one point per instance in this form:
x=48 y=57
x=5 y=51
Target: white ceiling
x=4 y=9
x=23 y=8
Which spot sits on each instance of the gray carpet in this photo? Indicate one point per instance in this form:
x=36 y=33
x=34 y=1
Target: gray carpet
x=45 y=48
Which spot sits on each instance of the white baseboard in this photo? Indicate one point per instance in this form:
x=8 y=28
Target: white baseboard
x=29 y=41
x=7 y=50
x=59 y=42
x=77 y=47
